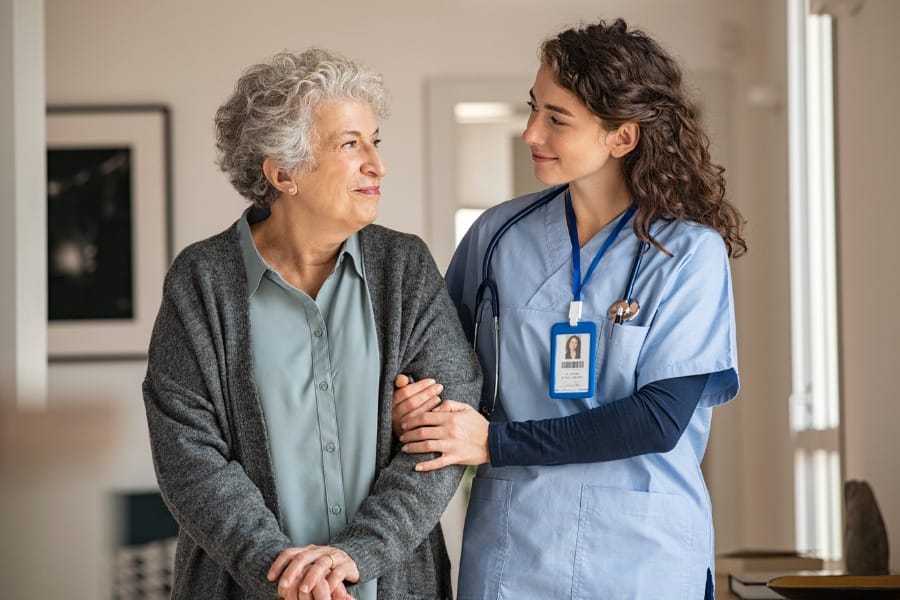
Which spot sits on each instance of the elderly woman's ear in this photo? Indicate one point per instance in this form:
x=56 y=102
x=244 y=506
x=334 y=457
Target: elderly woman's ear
x=282 y=181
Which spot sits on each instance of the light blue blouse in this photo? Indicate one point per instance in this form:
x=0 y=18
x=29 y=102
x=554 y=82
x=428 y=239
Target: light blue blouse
x=316 y=367
x=639 y=527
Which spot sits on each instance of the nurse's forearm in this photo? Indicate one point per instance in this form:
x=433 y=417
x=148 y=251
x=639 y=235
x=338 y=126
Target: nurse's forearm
x=650 y=420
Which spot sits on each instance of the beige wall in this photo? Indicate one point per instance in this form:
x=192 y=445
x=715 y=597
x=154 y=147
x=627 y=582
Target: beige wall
x=868 y=94
x=188 y=54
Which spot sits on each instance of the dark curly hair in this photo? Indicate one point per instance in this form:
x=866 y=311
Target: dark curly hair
x=625 y=76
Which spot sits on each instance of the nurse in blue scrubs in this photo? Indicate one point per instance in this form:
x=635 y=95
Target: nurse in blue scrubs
x=589 y=484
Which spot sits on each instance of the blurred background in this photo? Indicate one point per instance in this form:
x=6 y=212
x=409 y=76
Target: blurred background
x=814 y=295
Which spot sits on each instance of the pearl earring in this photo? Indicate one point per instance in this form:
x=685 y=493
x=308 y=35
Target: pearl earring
x=293 y=190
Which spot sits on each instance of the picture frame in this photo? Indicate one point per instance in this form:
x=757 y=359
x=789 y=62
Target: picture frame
x=109 y=229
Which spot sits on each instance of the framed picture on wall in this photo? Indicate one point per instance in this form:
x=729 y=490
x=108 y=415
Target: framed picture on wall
x=108 y=228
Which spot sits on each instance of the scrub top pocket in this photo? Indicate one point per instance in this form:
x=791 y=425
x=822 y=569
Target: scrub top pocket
x=625 y=531
x=617 y=358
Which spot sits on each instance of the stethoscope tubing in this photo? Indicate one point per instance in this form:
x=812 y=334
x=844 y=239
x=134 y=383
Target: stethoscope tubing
x=635 y=269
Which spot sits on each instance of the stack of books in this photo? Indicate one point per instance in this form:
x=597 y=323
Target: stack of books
x=746 y=572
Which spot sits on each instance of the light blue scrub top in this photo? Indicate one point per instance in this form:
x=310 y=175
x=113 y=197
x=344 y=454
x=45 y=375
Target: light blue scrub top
x=636 y=528
x=316 y=366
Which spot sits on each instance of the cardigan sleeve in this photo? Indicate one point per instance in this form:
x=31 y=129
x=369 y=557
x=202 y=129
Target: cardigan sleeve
x=207 y=490
x=422 y=336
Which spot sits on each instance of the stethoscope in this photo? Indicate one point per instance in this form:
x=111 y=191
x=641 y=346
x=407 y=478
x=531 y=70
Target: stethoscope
x=620 y=311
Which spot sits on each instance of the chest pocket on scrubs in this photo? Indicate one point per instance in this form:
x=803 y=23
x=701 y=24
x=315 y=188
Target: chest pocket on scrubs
x=635 y=533
x=617 y=357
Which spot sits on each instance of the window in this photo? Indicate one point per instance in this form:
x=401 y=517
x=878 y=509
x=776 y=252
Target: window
x=815 y=401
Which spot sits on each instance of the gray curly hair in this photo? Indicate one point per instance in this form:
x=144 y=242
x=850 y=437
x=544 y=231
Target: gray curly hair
x=270 y=114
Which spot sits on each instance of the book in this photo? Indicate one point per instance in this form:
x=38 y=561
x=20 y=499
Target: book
x=745 y=561
x=752 y=585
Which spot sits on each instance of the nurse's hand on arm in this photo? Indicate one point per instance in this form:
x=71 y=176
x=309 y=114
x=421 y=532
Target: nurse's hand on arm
x=313 y=573
x=412 y=399
x=456 y=430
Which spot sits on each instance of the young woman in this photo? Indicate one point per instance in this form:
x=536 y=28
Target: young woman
x=590 y=482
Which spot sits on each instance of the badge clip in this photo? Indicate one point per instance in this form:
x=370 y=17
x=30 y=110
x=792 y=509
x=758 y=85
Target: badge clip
x=574 y=312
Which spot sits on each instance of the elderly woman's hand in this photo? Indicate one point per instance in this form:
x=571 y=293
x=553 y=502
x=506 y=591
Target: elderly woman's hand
x=456 y=430
x=313 y=573
x=413 y=399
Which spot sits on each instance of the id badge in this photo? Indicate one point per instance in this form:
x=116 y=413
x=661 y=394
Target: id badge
x=572 y=359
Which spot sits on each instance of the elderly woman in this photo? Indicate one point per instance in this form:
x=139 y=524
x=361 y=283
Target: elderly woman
x=268 y=389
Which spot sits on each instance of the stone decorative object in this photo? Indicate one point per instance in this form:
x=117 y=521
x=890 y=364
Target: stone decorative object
x=865 y=537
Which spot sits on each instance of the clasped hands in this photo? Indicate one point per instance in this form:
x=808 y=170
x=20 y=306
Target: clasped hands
x=313 y=573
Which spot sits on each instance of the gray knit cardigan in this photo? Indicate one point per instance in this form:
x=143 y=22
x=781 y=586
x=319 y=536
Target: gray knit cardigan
x=209 y=440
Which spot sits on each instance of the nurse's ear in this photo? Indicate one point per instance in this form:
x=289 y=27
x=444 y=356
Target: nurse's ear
x=623 y=139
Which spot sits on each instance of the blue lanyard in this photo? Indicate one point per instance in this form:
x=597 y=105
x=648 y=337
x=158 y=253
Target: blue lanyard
x=577 y=283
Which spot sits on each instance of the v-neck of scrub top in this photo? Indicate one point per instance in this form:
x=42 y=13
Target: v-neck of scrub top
x=559 y=247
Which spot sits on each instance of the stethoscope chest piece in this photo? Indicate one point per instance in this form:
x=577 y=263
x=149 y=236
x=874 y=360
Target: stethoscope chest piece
x=622 y=311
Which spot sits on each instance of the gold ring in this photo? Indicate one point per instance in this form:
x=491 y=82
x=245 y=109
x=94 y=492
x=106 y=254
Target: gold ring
x=331 y=556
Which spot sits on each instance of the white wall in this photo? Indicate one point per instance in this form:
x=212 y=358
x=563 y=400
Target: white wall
x=868 y=93
x=485 y=162
x=23 y=371
x=188 y=55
